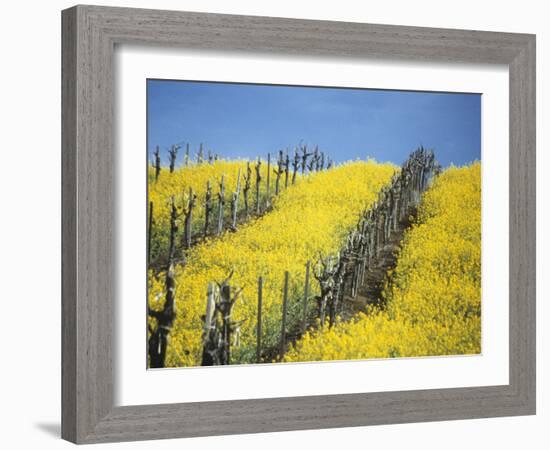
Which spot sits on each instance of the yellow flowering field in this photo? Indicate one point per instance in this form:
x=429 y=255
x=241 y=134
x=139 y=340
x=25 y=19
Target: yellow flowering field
x=177 y=184
x=312 y=217
x=433 y=302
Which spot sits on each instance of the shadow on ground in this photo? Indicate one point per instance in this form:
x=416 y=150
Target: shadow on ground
x=53 y=429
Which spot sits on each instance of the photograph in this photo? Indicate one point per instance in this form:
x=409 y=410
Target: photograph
x=300 y=224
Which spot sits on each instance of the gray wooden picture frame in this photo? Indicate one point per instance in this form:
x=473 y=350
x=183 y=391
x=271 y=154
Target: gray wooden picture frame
x=90 y=34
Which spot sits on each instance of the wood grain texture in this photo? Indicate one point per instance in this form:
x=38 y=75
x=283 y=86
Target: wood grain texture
x=89 y=36
x=68 y=225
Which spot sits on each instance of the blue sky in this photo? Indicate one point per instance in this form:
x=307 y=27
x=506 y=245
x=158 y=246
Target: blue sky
x=246 y=120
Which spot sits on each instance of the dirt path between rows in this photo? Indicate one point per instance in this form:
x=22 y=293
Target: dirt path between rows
x=370 y=291
x=376 y=276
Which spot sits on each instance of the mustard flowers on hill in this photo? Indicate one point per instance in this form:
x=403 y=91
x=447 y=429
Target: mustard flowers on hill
x=433 y=302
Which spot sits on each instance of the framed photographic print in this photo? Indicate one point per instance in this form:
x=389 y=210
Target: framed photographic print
x=279 y=224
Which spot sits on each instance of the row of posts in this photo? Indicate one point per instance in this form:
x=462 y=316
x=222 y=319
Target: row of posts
x=301 y=154
x=200 y=158
x=215 y=205
x=364 y=245
x=336 y=275
x=220 y=331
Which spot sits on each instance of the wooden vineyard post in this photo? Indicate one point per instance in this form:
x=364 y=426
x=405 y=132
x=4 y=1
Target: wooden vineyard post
x=295 y=165
x=225 y=306
x=218 y=326
x=188 y=220
x=208 y=207
x=355 y=251
x=396 y=198
x=233 y=210
x=173 y=230
x=209 y=330
x=279 y=172
x=306 y=295
x=200 y=155
x=246 y=190
x=287 y=169
x=389 y=211
x=258 y=181
x=235 y=202
x=339 y=287
x=379 y=229
x=363 y=252
x=173 y=153
x=186 y=160
x=305 y=156
x=149 y=233
x=283 y=320
x=157 y=163
x=259 y=321
x=221 y=203
x=373 y=237
x=326 y=276
x=268 y=181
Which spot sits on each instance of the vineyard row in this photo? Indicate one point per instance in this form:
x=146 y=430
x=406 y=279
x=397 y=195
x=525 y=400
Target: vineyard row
x=252 y=196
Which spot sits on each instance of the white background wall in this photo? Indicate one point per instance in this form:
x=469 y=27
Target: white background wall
x=30 y=221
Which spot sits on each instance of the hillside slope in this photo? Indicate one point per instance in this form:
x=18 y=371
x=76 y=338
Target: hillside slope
x=434 y=298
